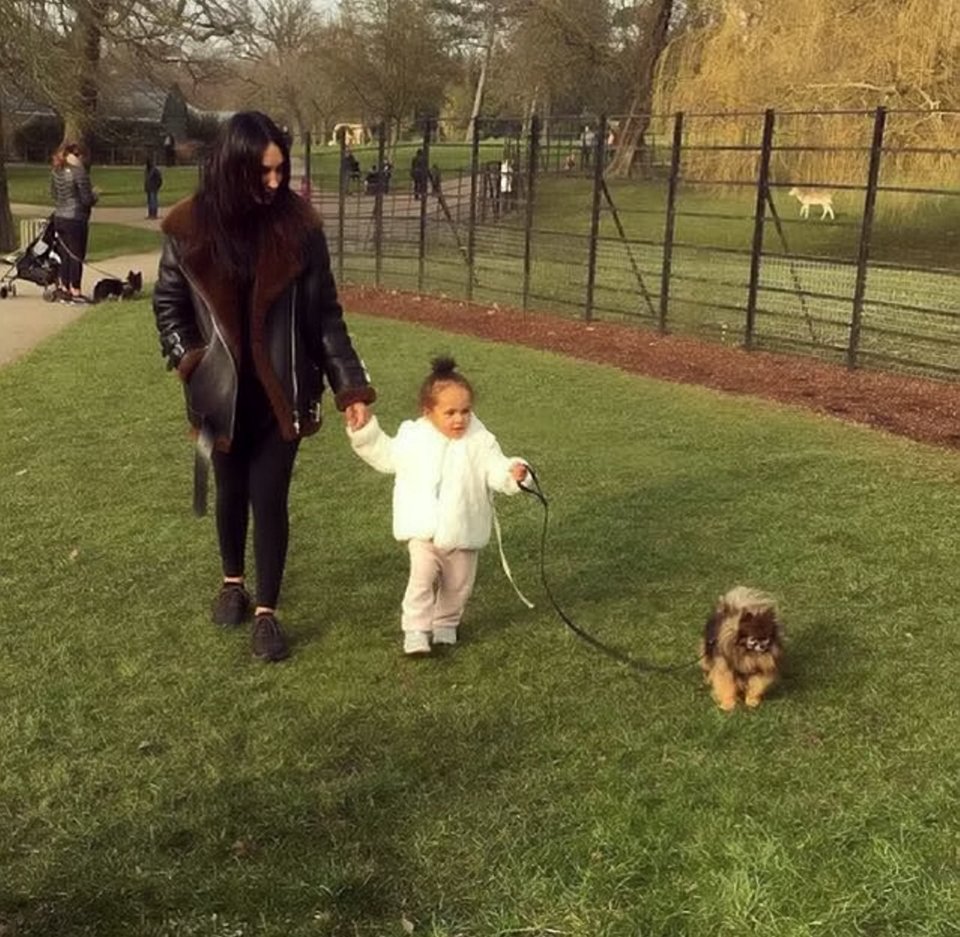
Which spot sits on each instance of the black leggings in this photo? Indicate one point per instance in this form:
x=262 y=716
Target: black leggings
x=255 y=473
x=72 y=234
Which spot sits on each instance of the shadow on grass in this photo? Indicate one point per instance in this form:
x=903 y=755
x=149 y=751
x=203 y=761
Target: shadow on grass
x=327 y=839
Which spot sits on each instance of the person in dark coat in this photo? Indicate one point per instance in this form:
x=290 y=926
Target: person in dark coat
x=247 y=313
x=152 y=182
x=420 y=174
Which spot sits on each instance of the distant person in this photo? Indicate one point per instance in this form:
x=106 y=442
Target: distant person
x=287 y=136
x=436 y=179
x=152 y=183
x=351 y=166
x=169 y=150
x=506 y=180
x=588 y=140
x=73 y=198
x=419 y=173
x=447 y=465
x=247 y=313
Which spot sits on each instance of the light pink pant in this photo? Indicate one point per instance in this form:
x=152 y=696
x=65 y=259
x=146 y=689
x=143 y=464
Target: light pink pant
x=440 y=584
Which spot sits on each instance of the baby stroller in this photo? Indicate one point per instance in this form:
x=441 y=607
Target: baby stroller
x=38 y=262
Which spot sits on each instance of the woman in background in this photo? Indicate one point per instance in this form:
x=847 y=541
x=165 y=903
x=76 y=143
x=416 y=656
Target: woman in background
x=73 y=199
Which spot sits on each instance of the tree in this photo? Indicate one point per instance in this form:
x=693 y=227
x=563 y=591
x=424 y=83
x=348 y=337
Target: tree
x=285 y=53
x=391 y=56
x=646 y=28
x=54 y=49
x=840 y=55
x=7 y=234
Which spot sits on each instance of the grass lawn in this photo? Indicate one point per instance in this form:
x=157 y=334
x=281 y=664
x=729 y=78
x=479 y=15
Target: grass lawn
x=119 y=185
x=110 y=240
x=156 y=781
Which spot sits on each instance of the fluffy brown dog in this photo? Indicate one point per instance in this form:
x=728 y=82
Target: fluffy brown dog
x=742 y=647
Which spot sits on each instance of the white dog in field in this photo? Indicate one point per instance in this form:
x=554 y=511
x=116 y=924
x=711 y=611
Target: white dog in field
x=808 y=197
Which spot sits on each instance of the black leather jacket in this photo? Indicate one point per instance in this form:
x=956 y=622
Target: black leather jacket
x=297 y=333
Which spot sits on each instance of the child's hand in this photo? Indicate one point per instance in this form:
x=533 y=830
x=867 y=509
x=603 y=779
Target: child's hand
x=518 y=471
x=357 y=415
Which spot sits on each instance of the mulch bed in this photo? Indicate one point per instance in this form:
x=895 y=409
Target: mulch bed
x=921 y=409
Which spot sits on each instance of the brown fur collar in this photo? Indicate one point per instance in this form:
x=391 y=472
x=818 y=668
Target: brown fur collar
x=280 y=261
x=277 y=266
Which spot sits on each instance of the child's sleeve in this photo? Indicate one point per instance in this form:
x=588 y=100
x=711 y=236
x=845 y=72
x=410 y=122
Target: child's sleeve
x=374 y=446
x=497 y=469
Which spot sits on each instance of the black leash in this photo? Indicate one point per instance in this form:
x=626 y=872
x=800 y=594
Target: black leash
x=612 y=652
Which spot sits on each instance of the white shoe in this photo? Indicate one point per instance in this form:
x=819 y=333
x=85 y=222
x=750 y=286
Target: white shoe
x=416 y=642
x=446 y=634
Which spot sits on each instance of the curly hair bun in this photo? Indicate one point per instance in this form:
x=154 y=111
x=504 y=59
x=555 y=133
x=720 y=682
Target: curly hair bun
x=443 y=366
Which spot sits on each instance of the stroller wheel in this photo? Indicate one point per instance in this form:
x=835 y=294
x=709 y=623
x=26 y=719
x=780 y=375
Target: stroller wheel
x=13 y=290
x=4 y=292
x=50 y=293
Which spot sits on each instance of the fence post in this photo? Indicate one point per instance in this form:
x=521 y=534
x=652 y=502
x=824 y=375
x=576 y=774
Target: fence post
x=675 y=155
x=422 y=256
x=532 y=156
x=341 y=204
x=472 y=222
x=866 y=230
x=760 y=214
x=378 y=204
x=599 y=156
x=306 y=164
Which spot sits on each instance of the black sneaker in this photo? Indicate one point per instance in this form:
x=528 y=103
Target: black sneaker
x=269 y=641
x=232 y=606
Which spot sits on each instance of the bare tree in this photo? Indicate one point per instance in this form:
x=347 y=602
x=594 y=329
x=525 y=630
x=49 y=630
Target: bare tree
x=7 y=234
x=652 y=22
x=56 y=55
x=391 y=57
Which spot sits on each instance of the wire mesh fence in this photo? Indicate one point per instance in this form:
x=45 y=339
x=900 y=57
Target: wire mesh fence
x=826 y=233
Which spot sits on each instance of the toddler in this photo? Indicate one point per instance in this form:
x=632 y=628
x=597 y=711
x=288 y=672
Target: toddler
x=446 y=464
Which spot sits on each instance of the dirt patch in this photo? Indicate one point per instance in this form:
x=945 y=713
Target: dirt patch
x=925 y=410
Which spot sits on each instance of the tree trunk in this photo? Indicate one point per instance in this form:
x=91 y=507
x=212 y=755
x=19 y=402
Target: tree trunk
x=80 y=117
x=630 y=141
x=482 y=80
x=7 y=234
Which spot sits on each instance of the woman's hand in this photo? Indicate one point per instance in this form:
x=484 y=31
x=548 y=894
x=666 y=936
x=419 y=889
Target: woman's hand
x=518 y=471
x=357 y=415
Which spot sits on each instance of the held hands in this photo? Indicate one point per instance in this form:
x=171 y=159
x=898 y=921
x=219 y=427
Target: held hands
x=356 y=416
x=518 y=472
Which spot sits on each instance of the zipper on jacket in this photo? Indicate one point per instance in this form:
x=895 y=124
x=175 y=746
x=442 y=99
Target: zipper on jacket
x=293 y=359
x=216 y=328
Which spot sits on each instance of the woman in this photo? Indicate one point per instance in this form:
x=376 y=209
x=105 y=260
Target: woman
x=247 y=312
x=73 y=199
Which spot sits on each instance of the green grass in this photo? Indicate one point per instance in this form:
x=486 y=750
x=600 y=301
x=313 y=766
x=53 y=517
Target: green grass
x=156 y=781
x=111 y=240
x=120 y=186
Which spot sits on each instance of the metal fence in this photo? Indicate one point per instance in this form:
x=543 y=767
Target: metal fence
x=827 y=233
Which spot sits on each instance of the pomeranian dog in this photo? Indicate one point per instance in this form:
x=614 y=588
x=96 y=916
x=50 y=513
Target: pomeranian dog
x=115 y=288
x=742 y=647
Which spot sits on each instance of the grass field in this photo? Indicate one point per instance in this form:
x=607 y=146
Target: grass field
x=156 y=781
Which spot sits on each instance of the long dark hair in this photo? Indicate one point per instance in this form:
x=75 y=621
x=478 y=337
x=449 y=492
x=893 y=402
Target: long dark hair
x=229 y=208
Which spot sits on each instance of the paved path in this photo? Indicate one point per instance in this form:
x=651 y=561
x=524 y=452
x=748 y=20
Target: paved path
x=27 y=319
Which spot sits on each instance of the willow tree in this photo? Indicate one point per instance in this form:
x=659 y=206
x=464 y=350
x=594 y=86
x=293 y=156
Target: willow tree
x=840 y=55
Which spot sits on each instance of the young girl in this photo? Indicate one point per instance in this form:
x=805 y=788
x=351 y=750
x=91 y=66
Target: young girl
x=446 y=465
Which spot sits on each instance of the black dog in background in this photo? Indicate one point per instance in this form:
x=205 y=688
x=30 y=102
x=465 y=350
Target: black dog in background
x=115 y=288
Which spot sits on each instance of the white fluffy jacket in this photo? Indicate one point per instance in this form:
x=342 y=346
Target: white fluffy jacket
x=442 y=488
